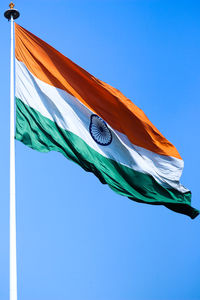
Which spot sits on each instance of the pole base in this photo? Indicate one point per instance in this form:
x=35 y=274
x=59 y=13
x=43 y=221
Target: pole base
x=11 y=12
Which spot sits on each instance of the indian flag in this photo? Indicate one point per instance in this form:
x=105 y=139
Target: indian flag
x=61 y=107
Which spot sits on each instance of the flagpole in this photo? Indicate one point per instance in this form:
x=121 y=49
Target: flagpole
x=12 y=14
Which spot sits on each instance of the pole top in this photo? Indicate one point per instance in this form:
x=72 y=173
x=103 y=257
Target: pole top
x=12 y=5
x=11 y=12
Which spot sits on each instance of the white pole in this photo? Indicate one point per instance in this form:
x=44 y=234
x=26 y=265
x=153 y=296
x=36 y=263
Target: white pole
x=13 y=250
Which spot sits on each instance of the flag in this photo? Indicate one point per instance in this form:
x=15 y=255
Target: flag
x=61 y=107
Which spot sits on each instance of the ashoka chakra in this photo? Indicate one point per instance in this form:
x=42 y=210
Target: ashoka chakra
x=100 y=131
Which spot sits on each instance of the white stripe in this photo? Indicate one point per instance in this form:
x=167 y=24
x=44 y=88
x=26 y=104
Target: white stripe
x=70 y=114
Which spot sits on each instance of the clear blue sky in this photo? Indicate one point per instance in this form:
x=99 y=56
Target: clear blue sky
x=77 y=239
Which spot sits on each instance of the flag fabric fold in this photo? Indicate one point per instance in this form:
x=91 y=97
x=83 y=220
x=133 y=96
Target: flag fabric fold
x=61 y=107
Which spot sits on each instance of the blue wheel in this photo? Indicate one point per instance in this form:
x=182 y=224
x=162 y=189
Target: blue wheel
x=100 y=131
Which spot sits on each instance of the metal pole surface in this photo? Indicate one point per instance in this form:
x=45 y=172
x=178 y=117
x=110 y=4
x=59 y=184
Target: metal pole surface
x=13 y=248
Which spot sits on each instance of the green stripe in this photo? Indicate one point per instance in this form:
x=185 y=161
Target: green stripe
x=42 y=134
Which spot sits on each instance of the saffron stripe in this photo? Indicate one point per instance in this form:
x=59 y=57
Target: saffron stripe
x=50 y=66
